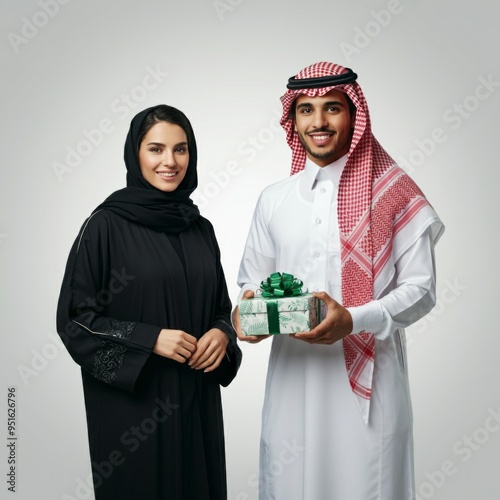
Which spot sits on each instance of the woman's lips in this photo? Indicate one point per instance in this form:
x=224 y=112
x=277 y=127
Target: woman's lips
x=167 y=176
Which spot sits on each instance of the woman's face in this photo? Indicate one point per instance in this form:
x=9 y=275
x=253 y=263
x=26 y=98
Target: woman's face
x=164 y=156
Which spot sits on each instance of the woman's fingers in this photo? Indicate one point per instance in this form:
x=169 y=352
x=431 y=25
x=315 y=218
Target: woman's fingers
x=210 y=350
x=175 y=344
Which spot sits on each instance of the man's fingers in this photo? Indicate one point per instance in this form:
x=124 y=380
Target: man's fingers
x=248 y=294
x=236 y=318
x=324 y=297
x=314 y=333
x=251 y=339
x=315 y=336
x=258 y=338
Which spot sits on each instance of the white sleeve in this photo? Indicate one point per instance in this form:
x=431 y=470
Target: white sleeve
x=258 y=259
x=413 y=296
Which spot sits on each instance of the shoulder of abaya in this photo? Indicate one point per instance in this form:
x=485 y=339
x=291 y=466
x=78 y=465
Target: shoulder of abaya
x=99 y=223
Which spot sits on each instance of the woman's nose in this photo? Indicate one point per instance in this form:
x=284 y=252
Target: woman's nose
x=168 y=159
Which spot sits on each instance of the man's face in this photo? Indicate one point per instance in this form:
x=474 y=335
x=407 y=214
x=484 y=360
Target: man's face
x=324 y=125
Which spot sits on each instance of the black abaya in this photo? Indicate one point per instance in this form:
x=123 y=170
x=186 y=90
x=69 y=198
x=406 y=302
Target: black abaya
x=155 y=425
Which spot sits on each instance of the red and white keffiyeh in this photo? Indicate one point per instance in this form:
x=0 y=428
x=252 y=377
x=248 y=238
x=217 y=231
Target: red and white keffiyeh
x=376 y=200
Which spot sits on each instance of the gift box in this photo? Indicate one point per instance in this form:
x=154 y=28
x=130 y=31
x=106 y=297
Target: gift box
x=282 y=308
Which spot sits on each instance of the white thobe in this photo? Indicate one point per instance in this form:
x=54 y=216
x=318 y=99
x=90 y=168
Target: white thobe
x=315 y=444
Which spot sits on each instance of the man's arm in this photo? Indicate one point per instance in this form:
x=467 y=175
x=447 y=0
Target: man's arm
x=257 y=263
x=413 y=296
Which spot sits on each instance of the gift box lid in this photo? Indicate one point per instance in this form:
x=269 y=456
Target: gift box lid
x=258 y=305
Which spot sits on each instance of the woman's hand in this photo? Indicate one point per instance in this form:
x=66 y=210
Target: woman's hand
x=210 y=350
x=175 y=344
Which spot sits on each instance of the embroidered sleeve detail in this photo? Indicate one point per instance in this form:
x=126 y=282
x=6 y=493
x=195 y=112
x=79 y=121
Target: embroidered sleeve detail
x=120 y=329
x=231 y=332
x=108 y=360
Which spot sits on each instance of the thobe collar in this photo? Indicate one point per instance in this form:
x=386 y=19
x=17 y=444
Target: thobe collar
x=314 y=173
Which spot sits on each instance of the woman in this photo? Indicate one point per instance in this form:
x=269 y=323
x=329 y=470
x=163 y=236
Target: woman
x=144 y=310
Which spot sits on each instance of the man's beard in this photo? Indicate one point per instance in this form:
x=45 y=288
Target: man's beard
x=319 y=155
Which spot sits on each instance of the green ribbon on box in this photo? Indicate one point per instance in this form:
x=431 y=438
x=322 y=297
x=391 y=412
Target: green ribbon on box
x=276 y=286
x=281 y=285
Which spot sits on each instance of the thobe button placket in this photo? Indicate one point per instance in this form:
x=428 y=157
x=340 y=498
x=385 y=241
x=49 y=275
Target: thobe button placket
x=320 y=216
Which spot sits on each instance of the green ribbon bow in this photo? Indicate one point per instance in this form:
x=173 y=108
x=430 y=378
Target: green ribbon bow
x=281 y=285
x=276 y=286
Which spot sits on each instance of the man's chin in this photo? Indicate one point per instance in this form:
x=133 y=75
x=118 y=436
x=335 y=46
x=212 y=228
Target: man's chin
x=322 y=155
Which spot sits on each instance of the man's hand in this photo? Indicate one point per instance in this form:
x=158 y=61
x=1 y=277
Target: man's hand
x=175 y=344
x=334 y=327
x=252 y=339
x=210 y=350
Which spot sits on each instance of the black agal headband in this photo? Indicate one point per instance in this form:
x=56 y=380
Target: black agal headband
x=322 y=81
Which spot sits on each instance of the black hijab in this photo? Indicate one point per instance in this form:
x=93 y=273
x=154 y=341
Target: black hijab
x=142 y=203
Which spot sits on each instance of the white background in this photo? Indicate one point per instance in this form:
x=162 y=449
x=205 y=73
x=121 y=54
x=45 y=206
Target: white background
x=68 y=66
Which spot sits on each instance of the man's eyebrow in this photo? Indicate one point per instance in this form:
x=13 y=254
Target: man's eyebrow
x=328 y=103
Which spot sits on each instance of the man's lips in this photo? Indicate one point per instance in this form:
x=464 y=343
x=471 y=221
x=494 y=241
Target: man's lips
x=320 y=138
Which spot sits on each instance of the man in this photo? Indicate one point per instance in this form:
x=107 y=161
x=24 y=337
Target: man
x=337 y=419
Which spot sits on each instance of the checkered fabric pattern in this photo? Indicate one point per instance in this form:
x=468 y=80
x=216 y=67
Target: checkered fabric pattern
x=376 y=199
